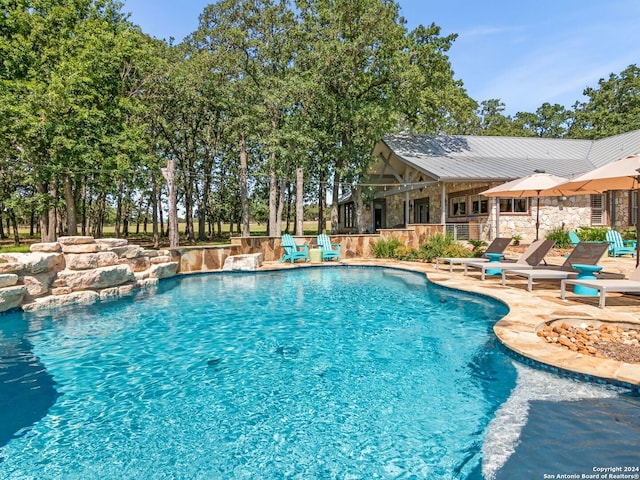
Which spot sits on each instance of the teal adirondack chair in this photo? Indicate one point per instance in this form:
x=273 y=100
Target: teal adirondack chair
x=329 y=250
x=573 y=238
x=293 y=251
x=618 y=246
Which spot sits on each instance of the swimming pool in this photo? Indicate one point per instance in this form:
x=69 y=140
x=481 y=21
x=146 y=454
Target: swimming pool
x=309 y=373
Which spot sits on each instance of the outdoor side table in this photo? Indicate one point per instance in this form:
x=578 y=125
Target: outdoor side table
x=315 y=255
x=586 y=272
x=494 y=258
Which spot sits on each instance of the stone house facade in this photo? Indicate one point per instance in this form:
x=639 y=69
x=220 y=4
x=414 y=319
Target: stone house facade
x=439 y=180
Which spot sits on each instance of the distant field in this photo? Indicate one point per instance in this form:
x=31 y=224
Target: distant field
x=257 y=229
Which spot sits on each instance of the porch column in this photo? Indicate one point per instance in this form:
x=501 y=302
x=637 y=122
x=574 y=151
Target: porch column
x=496 y=215
x=407 y=210
x=443 y=204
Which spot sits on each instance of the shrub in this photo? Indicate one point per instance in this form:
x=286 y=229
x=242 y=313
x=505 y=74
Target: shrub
x=592 y=234
x=386 y=248
x=561 y=237
x=406 y=253
x=477 y=243
x=439 y=245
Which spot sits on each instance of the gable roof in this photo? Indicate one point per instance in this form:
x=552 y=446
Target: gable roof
x=472 y=158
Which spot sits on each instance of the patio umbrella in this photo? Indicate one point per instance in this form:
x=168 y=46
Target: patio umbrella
x=538 y=184
x=622 y=174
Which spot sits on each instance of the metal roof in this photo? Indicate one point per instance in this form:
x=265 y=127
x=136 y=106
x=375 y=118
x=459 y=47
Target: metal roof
x=471 y=158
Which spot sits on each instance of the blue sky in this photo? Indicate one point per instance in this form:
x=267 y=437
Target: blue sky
x=524 y=53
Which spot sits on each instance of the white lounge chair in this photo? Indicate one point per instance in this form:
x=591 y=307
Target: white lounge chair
x=604 y=285
x=584 y=253
x=531 y=257
x=498 y=245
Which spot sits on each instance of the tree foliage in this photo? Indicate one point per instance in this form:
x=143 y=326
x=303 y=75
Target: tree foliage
x=92 y=110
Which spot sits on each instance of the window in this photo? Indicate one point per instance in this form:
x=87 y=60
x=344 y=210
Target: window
x=479 y=205
x=633 y=220
x=597 y=209
x=458 y=206
x=514 y=205
x=349 y=215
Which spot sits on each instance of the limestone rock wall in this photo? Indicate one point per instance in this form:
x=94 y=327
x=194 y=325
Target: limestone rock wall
x=78 y=269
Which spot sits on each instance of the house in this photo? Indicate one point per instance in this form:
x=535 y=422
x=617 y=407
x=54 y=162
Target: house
x=438 y=180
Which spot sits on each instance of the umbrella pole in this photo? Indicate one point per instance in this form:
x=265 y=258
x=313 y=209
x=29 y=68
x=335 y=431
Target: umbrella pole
x=638 y=226
x=537 y=215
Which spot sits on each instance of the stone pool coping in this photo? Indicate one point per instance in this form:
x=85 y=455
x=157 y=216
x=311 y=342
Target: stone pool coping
x=529 y=311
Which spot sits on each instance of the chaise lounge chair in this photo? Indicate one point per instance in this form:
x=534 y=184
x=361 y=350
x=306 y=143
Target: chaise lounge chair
x=531 y=257
x=583 y=254
x=293 y=251
x=604 y=285
x=618 y=246
x=329 y=250
x=498 y=245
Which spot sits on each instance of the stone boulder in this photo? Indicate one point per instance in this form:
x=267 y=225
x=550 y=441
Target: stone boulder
x=11 y=297
x=38 y=284
x=129 y=251
x=77 y=240
x=37 y=262
x=103 y=277
x=86 y=261
x=137 y=264
x=160 y=259
x=84 y=248
x=52 y=301
x=48 y=247
x=10 y=267
x=8 y=280
x=247 y=262
x=112 y=242
x=163 y=270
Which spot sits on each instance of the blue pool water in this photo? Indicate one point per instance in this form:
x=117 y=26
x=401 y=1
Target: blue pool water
x=329 y=373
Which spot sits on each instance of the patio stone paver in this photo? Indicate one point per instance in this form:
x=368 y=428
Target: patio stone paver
x=529 y=311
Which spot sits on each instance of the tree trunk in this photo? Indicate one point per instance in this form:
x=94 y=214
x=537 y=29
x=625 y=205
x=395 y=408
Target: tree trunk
x=2 y=234
x=299 y=202
x=14 y=226
x=169 y=175
x=206 y=194
x=322 y=204
x=281 y=204
x=275 y=227
x=119 y=209
x=244 y=196
x=70 y=202
x=52 y=217
x=84 y=206
x=335 y=197
x=357 y=200
x=32 y=215
x=97 y=230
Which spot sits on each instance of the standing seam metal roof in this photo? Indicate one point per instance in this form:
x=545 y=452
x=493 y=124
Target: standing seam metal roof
x=472 y=158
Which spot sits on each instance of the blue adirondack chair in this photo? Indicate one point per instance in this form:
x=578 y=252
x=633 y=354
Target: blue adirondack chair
x=618 y=246
x=573 y=238
x=329 y=250
x=293 y=251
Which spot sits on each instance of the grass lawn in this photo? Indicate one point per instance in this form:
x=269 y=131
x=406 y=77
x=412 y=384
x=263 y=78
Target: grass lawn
x=257 y=229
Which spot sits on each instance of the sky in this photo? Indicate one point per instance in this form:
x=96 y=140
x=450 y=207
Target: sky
x=521 y=52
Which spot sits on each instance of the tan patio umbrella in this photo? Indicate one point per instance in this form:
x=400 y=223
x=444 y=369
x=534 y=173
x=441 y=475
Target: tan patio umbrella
x=538 y=184
x=622 y=174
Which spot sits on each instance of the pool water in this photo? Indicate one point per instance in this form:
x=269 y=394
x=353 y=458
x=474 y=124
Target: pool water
x=329 y=373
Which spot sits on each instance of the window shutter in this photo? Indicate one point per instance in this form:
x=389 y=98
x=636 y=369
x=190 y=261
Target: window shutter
x=597 y=209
